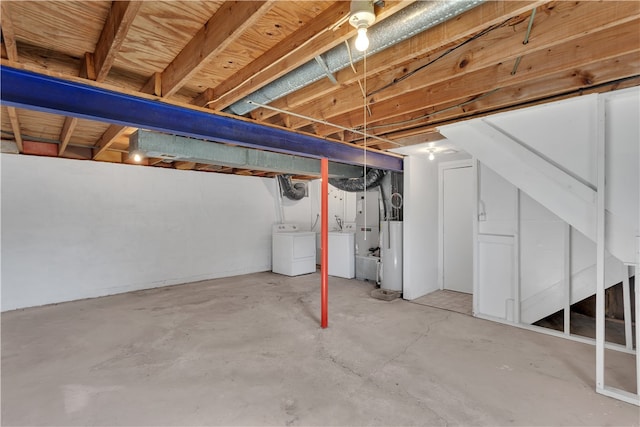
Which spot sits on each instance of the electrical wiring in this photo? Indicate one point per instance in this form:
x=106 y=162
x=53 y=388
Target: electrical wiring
x=362 y=89
x=442 y=55
x=426 y=116
x=576 y=92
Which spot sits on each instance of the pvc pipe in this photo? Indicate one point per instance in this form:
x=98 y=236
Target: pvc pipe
x=324 y=233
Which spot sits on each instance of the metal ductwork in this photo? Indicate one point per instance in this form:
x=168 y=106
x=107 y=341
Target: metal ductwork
x=290 y=190
x=408 y=22
x=371 y=180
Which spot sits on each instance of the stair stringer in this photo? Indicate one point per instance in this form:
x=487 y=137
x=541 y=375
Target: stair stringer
x=567 y=196
x=583 y=285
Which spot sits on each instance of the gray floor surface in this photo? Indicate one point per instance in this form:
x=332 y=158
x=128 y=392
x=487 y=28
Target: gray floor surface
x=248 y=350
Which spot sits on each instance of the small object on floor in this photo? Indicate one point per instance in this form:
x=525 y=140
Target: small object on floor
x=385 y=294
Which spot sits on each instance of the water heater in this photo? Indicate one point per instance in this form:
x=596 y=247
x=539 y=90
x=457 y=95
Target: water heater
x=391 y=255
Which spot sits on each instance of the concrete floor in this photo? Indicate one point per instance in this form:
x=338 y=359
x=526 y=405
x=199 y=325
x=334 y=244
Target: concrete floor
x=248 y=351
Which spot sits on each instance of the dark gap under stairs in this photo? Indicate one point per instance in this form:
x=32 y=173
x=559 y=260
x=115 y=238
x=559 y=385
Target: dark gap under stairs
x=583 y=316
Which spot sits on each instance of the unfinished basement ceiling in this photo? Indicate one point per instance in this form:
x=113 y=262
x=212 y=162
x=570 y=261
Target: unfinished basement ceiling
x=214 y=54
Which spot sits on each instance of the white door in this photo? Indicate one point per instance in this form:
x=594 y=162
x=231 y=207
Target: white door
x=457 y=229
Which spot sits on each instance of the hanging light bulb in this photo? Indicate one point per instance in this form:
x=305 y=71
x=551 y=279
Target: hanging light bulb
x=362 y=41
x=136 y=156
x=362 y=17
x=431 y=156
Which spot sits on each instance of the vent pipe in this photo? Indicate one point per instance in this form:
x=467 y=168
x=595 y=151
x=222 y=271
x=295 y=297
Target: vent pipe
x=371 y=180
x=412 y=20
x=290 y=190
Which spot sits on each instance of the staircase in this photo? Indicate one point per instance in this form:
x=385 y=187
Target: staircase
x=550 y=153
x=583 y=285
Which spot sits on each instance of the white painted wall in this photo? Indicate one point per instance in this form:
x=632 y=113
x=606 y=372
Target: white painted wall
x=563 y=132
x=74 y=229
x=420 y=246
x=455 y=230
x=549 y=151
x=306 y=211
x=541 y=248
x=521 y=256
x=497 y=204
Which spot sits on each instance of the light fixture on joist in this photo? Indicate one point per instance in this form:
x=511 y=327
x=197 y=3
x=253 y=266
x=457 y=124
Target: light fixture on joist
x=362 y=17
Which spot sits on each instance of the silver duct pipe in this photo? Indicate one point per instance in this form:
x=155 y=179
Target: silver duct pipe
x=371 y=180
x=408 y=22
x=292 y=191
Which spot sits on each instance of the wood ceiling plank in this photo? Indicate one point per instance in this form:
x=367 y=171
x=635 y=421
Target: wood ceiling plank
x=545 y=89
x=240 y=84
x=500 y=46
x=429 y=131
x=299 y=48
x=63 y=27
x=224 y=27
x=570 y=57
x=469 y=23
x=113 y=34
x=8 y=34
x=96 y=66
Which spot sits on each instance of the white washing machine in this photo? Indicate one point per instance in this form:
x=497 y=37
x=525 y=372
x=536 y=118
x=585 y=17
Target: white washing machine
x=342 y=254
x=293 y=252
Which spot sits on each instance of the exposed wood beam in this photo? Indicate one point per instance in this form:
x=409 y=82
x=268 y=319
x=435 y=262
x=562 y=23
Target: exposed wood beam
x=96 y=66
x=428 y=130
x=15 y=127
x=207 y=167
x=87 y=67
x=95 y=101
x=87 y=70
x=153 y=86
x=297 y=49
x=611 y=42
x=471 y=22
x=113 y=132
x=501 y=46
x=204 y=98
x=209 y=41
x=241 y=83
x=602 y=76
x=154 y=161
x=8 y=34
x=69 y=126
x=184 y=165
x=114 y=32
x=12 y=54
x=229 y=22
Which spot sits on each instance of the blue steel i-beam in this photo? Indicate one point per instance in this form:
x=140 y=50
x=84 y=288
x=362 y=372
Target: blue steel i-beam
x=33 y=91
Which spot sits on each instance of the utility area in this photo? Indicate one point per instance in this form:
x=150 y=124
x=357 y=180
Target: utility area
x=340 y=213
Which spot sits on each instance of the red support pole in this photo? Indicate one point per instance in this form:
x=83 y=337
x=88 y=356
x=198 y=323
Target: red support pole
x=324 y=233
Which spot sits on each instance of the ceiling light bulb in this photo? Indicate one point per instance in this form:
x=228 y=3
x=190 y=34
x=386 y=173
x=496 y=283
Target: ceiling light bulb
x=137 y=158
x=431 y=156
x=362 y=41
